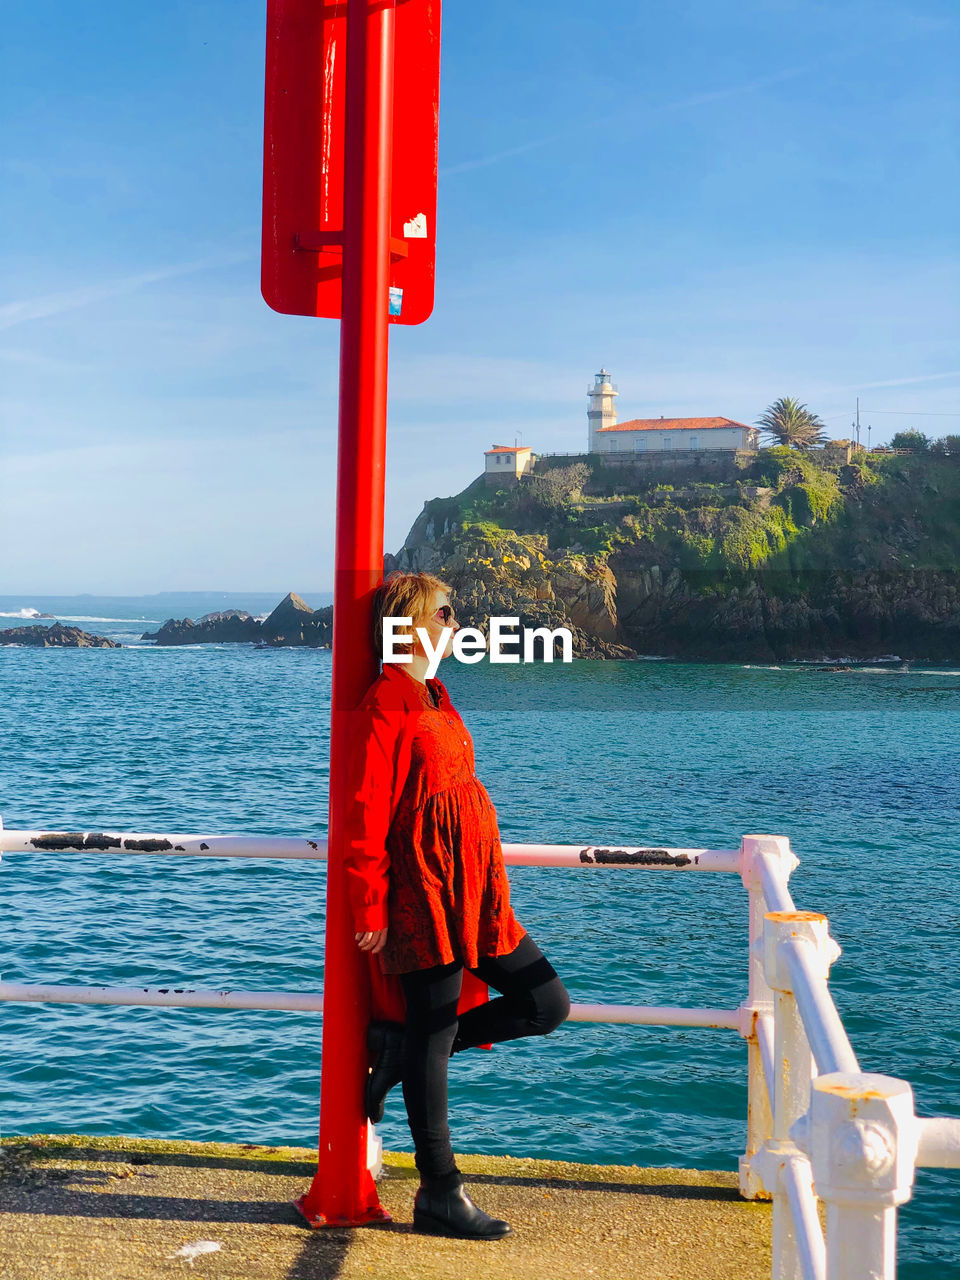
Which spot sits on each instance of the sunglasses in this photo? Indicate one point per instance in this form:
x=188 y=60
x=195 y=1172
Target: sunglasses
x=445 y=614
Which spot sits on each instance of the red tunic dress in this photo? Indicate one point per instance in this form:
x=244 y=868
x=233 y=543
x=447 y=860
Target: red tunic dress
x=423 y=856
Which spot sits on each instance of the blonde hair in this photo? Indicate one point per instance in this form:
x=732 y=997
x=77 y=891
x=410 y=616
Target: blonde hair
x=404 y=595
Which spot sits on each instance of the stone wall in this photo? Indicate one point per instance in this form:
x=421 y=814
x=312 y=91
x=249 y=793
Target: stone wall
x=681 y=466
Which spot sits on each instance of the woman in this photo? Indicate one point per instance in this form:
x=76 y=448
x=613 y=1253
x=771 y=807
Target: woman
x=430 y=898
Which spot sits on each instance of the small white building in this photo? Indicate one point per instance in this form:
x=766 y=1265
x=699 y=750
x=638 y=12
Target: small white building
x=504 y=464
x=658 y=435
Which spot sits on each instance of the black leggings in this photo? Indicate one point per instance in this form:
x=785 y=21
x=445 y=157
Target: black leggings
x=532 y=1002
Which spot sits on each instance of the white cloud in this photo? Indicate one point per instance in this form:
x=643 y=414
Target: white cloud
x=52 y=304
x=901 y=382
x=649 y=113
x=455 y=377
x=39 y=360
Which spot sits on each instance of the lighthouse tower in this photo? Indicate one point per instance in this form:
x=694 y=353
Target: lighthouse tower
x=601 y=411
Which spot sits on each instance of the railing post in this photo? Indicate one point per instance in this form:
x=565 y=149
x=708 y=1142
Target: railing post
x=759 y=1004
x=793 y=1070
x=863 y=1139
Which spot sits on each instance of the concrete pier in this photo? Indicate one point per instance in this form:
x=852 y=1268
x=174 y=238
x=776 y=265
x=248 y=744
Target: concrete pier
x=81 y=1208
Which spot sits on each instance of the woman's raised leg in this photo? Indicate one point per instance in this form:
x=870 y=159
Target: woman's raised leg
x=532 y=1002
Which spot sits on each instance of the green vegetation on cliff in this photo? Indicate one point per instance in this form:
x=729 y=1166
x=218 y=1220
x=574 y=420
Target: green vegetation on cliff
x=785 y=513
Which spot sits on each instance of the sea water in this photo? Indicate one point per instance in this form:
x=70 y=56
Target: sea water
x=858 y=768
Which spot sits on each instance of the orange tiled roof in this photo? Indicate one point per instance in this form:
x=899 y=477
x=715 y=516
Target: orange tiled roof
x=509 y=448
x=674 y=424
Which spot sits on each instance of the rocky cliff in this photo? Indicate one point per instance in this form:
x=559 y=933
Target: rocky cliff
x=800 y=557
x=499 y=573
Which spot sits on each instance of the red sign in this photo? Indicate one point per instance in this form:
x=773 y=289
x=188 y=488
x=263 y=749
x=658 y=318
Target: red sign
x=302 y=249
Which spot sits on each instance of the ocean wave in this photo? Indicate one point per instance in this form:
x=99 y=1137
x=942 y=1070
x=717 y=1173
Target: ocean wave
x=35 y=614
x=857 y=662
x=81 y=617
x=861 y=666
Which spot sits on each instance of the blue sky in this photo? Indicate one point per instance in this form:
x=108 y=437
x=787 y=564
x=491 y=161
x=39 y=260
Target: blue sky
x=724 y=203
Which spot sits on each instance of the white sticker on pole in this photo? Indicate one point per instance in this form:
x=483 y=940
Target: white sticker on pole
x=416 y=228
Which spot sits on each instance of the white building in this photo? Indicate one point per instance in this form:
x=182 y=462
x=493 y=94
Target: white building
x=503 y=464
x=658 y=435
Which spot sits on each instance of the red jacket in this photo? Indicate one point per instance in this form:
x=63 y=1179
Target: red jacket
x=422 y=854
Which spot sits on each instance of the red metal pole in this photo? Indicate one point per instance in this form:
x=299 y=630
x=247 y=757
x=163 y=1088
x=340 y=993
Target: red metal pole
x=343 y=1192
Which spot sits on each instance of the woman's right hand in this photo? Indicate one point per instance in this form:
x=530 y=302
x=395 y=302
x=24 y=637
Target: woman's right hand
x=372 y=942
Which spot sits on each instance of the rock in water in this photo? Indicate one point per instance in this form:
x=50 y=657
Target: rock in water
x=292 y=622
x=229 y=627
x=226 y=615
x=56 y=636
x=289 y=615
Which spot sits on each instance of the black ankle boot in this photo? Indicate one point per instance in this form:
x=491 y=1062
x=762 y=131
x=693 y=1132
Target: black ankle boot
x=385 y=1039
x=451 y=1212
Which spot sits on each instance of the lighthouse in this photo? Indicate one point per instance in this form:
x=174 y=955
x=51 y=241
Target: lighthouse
x=601 y=411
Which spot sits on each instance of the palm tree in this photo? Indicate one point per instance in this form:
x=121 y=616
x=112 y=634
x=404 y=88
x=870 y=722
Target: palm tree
x=792 y=424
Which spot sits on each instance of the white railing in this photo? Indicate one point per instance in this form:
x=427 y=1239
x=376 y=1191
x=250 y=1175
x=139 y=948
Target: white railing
x=817 y=1128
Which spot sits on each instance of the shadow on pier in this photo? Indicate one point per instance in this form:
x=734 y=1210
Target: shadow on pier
x=76 y=1208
